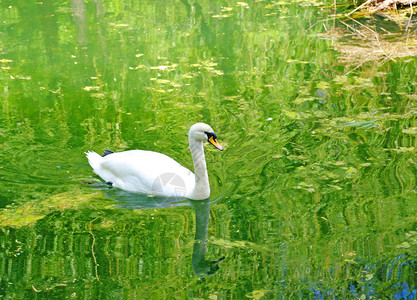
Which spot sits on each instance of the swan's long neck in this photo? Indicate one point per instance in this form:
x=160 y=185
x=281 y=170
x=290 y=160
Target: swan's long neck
x=202 y=186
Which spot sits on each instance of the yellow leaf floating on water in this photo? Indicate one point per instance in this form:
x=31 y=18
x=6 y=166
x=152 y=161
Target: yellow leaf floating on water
x=257 y=294
x=208 y=63
x=297 y=61
x=305 y=186
x=139 y=67
x=162 y=81
x=188 y=75
x=350 y=172
x=335 y=187
x=403 y=149
x=91 y=88
x=164 y=67
x=292 y=115
x=341 y=79
x=404 y=245
x=23 y=77
x=119 y=25
x=411 y=233
x=323 y=85
x=411 y=130
x=160 y=68
x=278 y=3
x=98 y=95
x=221 y=16
x=369 y=276
x=217 y=72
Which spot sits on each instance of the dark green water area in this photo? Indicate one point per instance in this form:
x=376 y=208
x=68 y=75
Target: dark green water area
x=313 y=197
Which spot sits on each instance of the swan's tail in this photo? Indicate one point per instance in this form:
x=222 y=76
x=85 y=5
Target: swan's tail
x=93 y=159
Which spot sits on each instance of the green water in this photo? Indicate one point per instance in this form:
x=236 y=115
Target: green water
x=316 y=185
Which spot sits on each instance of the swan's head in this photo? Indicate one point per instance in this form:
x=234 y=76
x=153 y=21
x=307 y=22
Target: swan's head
x=203 y=132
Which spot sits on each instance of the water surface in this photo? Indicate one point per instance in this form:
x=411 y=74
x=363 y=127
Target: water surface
x=316 y=185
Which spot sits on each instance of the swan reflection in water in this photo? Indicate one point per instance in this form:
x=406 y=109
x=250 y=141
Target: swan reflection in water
x=201 y=266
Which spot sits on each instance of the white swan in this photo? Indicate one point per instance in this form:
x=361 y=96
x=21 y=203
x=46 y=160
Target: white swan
x=153 y=173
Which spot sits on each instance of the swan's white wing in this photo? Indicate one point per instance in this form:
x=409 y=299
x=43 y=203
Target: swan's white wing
x=146 y=172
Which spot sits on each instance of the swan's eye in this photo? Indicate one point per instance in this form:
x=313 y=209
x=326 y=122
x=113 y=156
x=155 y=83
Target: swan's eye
x=210 y=134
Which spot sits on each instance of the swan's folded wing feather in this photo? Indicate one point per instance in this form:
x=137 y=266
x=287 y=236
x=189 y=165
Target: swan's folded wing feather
x=139 y=171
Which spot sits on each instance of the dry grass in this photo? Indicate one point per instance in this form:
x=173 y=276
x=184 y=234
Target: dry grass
x=361 y=37
x=374 y=6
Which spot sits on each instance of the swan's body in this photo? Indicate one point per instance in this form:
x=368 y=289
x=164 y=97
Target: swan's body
x=153 y=173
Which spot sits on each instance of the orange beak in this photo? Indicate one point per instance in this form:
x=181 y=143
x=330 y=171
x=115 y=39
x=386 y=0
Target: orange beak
x=214 y=142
